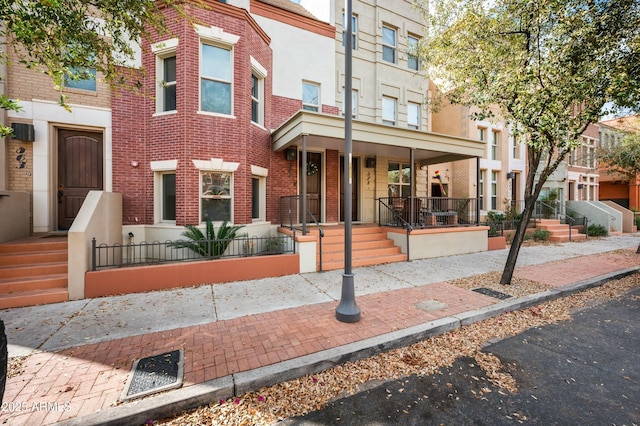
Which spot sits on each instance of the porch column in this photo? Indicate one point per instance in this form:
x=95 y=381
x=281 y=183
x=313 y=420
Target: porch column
x=412 y=186
x=478 y=207
x=303 y=182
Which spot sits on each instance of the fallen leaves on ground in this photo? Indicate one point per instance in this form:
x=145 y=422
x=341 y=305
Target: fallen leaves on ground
x=309 y=393
x=14 y=367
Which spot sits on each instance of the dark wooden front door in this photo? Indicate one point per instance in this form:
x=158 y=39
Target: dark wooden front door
x=355 y=162
x=314 y=184
x=80 y=170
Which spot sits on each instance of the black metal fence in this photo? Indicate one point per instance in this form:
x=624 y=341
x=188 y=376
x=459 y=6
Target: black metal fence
x=156 y=252
x=427 y=212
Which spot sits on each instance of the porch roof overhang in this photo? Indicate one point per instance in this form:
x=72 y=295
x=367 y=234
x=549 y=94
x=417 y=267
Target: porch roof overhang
x=326 y=131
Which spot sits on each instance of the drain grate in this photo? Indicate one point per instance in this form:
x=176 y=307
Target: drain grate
x=492 y=293
x=154 y=374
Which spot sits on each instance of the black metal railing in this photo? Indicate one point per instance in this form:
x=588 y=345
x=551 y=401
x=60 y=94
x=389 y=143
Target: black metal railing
x=388 y=211
x=427 y=212
x=290 y=208
x=498 y=228
x=156 y=252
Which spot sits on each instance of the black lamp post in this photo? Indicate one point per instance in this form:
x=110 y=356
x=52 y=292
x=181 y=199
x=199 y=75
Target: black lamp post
x=347 y=310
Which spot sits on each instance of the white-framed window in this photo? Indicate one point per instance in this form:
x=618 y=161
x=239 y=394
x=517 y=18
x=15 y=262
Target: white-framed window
x=354 y=103
x=413 y=115
x=310 y=96
x=389 y=110
x=82 y=79
x=258 y=193
x=494 y=190
x=258 y=75
x=495 y=139
x=216 y=196
x=354 y=31
x=216 y=79
x=515 y=147
x=481 y=188
x=412 y=53
x=168 y=91
x=482 y=133
x=166 y=75
x=164 y=178
x=398 y=179
x=389 y=44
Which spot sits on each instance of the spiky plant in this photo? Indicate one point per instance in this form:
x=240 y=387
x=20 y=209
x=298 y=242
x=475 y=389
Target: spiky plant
x=209 y=244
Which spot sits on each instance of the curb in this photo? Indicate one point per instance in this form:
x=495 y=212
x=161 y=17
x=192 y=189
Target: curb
x=172 y=402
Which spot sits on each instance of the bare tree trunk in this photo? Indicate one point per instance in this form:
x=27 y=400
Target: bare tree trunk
x=516 y=243
x=638 y=251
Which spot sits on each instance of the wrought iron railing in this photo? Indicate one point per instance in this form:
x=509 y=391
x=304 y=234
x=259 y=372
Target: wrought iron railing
x=387 y=210
x=156 y=252
x=290 y=208
x=427 y=212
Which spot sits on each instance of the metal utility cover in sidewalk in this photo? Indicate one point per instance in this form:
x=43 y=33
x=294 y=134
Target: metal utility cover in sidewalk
x=154 y=374
x=492 y=293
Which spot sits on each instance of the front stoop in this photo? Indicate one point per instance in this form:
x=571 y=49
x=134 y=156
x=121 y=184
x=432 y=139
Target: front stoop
x=559 y=232
x=370 y=246
x=33 y=271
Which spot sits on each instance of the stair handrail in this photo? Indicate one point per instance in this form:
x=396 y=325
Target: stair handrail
x=396 y=215
x=291 y=226
x=557 y=213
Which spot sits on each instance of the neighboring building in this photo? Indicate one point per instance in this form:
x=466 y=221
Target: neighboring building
x=497 y=178
x=616 y=187
x=582 y=175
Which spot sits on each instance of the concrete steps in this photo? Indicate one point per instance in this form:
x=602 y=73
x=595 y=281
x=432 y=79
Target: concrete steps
x=559 y=232
x=33 y=271
x=370 y=246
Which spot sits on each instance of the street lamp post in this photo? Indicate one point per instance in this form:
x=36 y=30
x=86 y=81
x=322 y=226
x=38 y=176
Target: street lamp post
x=347 y=310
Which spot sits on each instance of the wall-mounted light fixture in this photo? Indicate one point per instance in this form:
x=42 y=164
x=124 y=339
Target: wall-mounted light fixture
x=291 y=154
x=511 y=175
x=134 y=163
x=580 y=186
x=370 y=163
x=23 y=132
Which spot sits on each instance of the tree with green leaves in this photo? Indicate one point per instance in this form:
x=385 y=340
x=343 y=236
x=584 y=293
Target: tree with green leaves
x=67 y=39
x=623 y=158
x=549 y=66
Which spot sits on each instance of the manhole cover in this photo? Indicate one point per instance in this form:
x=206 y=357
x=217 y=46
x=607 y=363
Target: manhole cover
x=154 y=374
x=431 y=305
x=492 y=293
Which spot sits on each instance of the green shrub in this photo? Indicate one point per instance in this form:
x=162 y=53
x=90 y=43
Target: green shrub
x=638 y=222
x=595 y=230
x=541 y=235
x=494 y=216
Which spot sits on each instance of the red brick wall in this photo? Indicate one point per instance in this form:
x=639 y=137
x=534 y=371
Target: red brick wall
x=187 y=135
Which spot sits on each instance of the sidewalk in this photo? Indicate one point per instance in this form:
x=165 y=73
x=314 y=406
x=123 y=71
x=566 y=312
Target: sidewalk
x=243 y=335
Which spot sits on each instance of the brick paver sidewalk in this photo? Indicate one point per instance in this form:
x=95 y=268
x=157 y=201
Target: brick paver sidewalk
x=81 y=380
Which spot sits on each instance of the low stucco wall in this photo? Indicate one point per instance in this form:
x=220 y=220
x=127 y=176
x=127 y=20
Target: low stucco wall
x=139 y=279
x=14 y=211
x=100 y=217
x=429 y=243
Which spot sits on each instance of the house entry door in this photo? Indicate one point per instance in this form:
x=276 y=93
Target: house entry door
x=80 y=170
x=314 y=184
x=355 y=184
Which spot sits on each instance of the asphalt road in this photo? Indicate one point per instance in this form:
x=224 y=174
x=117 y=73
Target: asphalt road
x=580 y=372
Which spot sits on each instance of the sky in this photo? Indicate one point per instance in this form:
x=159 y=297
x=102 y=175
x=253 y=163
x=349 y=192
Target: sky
x=319 y=8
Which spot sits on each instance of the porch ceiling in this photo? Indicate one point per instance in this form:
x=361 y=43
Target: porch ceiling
x=326 y=131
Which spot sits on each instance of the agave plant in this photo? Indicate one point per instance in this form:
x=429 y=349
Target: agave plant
x=209 y=244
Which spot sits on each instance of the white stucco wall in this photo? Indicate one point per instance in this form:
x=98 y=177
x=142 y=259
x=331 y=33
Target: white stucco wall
x=292 y=64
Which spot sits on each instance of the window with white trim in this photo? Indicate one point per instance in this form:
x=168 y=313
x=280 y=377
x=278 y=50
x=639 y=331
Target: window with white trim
x=216 y=196
x=166 y=74
x=310 y=96
x=495 y=138
x=494 y=190
x=354 y=103
x=216 y=79
x=81 y=78
x=412 y=53
x=164 y=190
x=389 y=42
x=389 y=110
x=398 y=179
x=481 y=133
x=481 y=188
x=413 y=115
x=354 y=30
